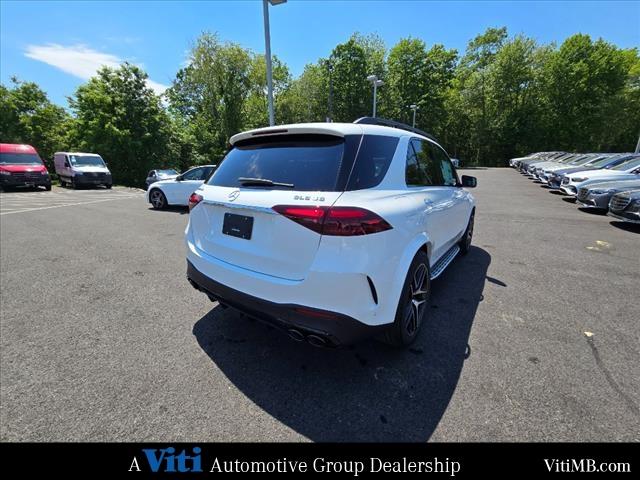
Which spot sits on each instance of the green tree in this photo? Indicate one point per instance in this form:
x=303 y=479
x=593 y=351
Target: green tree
x=27 y=116
x=620 y=124
x=209 y=95
x=255 y=111
x=421 y=77
x=513 y=89
x=582 y=78
x=306 y=98
x=122 y=119
x=472 y=84
x=406 y=79
x=351 y=91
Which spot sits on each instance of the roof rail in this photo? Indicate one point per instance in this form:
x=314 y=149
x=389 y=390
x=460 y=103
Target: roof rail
x=392 y=123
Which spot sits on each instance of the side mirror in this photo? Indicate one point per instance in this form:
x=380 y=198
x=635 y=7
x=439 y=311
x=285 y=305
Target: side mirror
x=66 y=164
x=179 y=178
x=469 y=182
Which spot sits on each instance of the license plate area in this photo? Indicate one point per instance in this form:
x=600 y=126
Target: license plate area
x=239 y=226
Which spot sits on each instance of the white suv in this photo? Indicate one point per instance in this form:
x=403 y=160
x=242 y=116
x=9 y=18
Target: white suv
x=332 y=231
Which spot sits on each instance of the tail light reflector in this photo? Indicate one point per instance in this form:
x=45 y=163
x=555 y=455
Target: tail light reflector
x=194 y=199
x=335 y=221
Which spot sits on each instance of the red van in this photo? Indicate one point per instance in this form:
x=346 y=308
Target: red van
x=21 y=166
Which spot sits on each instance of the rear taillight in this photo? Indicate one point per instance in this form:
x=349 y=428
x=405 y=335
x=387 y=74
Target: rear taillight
x=194 y=199
x=337 y=221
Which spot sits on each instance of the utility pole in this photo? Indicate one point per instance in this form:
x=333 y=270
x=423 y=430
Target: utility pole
x=267 y=55
x=376 y=83
x=414 y=107
x=330 y=68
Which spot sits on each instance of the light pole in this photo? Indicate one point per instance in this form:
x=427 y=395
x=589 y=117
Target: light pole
x=376 y=83
x=267 y=55
x=414 y=107
x=330 y=68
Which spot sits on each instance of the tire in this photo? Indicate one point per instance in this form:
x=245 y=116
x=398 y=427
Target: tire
x=157 y=199
x=413 y=303
x=47 y=187
x=465 y=241
x=108 y=186
x=73 y=184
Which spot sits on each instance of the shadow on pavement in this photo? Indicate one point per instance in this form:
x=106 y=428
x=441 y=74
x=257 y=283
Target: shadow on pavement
x=367 y=392
x=627 y=226
x=172 y=209
x=593 y=211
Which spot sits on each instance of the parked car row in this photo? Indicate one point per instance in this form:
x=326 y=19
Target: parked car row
x=605 y=181
x=21 y=166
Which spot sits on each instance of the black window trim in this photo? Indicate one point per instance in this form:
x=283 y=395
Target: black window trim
x=406 y=160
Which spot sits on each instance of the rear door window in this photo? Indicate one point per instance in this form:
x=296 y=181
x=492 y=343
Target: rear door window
x=311 y=162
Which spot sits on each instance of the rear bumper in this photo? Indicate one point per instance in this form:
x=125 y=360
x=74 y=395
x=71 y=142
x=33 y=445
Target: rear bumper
x=334 y=328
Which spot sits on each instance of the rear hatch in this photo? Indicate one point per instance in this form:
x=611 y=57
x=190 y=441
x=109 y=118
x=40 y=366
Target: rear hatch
x=236 y=222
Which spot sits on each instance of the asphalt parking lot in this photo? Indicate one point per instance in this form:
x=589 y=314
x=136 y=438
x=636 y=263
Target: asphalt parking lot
x=533 y=336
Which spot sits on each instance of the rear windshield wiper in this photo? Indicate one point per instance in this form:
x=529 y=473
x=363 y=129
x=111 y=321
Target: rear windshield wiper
x=256 y=182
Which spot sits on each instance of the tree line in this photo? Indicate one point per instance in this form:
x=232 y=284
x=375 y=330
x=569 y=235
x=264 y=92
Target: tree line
x=504 y=96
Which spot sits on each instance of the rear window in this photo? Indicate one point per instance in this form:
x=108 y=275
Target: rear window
x=20 y=159
x=309 y=162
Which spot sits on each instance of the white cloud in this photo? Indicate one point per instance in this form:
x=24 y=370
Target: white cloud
x=159 y=88
x=79 y=61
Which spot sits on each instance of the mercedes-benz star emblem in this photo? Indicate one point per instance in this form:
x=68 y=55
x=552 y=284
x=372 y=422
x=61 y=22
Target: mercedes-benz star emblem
x=233 y=195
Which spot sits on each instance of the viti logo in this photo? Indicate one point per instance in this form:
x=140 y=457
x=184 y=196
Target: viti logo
x=166 y=460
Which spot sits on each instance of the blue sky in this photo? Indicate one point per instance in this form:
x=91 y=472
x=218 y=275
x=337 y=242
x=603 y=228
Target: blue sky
x=60 y=44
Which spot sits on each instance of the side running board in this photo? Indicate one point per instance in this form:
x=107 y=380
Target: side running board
x=444 y=261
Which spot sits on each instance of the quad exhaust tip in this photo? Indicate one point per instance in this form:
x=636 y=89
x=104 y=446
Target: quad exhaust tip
x=296 y=335
x=315 y=340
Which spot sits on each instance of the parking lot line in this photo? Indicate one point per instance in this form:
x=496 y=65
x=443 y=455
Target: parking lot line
x=120 y=197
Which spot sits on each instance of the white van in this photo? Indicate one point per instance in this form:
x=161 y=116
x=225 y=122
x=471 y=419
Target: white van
x=78 y=169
